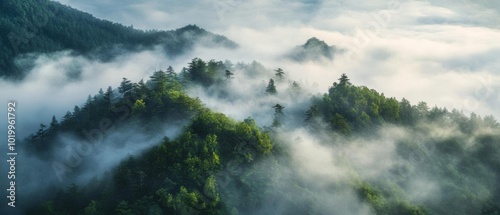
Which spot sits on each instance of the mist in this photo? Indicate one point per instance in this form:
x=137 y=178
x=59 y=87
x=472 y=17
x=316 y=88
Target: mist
x=325 y=173
x=429 y=51
x=432 y=51
x=73 y=161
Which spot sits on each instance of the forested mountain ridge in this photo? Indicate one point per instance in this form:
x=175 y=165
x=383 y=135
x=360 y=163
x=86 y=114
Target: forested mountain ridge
x=44 y=26
x=217 y=165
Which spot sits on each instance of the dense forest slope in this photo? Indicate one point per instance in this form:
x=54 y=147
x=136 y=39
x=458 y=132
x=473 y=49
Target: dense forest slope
x=43 y=26
x=351 y=151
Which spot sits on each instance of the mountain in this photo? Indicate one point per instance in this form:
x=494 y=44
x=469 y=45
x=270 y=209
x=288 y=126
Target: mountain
x=313 y=50
x=43 y=26
x=376 y=154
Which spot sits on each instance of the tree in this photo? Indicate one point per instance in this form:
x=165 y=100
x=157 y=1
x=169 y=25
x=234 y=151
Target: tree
x=278 y=113
x=490 y=121
x=184 y=202
x=407 y=113
x=197 y=72
x=344 y=80
x=159 y=77
x=340 y=124
x=279 y=74
x=67 y=116
x=123 y=209
x=312 y=112
x=142 y=90
x=139 y=106
x=108 y=96
x=101 y=93
x=423 y=110
x=295 y=87
x=41 y=132
x=389 y=110
x=159 y=80
x=229 y=75
x=173 y=80
x=278 y=109
x=125 y=86
x=54 y=124
x=271 y=89
x=213 y=67
x=171 y=73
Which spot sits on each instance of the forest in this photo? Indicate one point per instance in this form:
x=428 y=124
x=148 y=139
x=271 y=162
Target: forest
x=43 y=26
x=218 y=165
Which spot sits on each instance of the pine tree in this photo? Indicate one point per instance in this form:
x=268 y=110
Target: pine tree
x=54 y=124
x=125 y=86
x=295 y=87
x=278 y=109
x=278 y=113
x=344 y=80
x=271 y=89
x=279 y=74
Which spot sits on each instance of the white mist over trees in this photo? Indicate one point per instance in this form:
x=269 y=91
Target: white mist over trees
x=315 y=111
x=349 y=151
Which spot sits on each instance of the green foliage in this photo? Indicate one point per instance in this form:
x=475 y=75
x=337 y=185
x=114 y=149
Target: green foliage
x=374 y=197
x=146 y=105
x=382 y=205
x=139 y=106
x=91 y=209
x=312 y=113
x=178 y=176
x=221 y=166
x=206 y=73
x=350 y=108
x=347 y=107
x=123 y=209
x=43 y=26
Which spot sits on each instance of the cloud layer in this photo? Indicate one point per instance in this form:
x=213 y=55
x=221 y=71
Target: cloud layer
x=433 y=51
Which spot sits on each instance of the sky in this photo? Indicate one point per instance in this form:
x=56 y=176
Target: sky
x=442 y=52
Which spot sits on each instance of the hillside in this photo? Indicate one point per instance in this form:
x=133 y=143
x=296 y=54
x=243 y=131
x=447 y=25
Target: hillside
x=388 y=156
x=43 y=26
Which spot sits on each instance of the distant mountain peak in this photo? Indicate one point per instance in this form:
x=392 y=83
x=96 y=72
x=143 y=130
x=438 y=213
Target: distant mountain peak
x=191 y=27
x=313 y=50
x=313 y=41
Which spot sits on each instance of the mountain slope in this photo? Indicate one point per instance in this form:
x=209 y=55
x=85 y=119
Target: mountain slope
x=354 y=151
x=42 y=26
